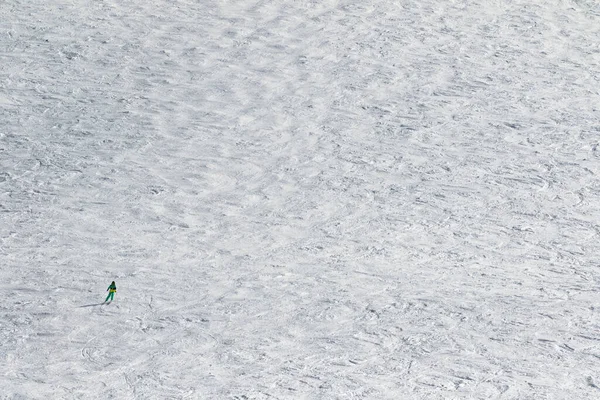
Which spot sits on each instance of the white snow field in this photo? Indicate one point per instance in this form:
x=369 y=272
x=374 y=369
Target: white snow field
x=300 y=199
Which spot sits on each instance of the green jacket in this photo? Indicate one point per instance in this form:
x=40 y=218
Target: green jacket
x=112 y=287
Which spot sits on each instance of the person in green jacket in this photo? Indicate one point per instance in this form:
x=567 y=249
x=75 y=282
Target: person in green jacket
x=112 y=289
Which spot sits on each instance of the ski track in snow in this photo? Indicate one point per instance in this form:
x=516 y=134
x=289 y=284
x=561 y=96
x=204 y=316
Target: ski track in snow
x=300 y=199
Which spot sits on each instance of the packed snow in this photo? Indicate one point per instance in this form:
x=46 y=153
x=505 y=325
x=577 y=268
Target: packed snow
x=300 y=199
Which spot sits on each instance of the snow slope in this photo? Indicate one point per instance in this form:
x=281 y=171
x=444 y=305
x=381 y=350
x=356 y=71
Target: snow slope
x=300 y=199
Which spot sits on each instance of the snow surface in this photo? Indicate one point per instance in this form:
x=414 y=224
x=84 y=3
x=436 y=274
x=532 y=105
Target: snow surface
x=300 y=199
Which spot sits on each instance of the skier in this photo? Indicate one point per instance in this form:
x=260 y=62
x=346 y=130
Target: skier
x=112 y=289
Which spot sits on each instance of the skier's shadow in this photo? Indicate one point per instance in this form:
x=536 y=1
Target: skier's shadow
x=91 y=305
